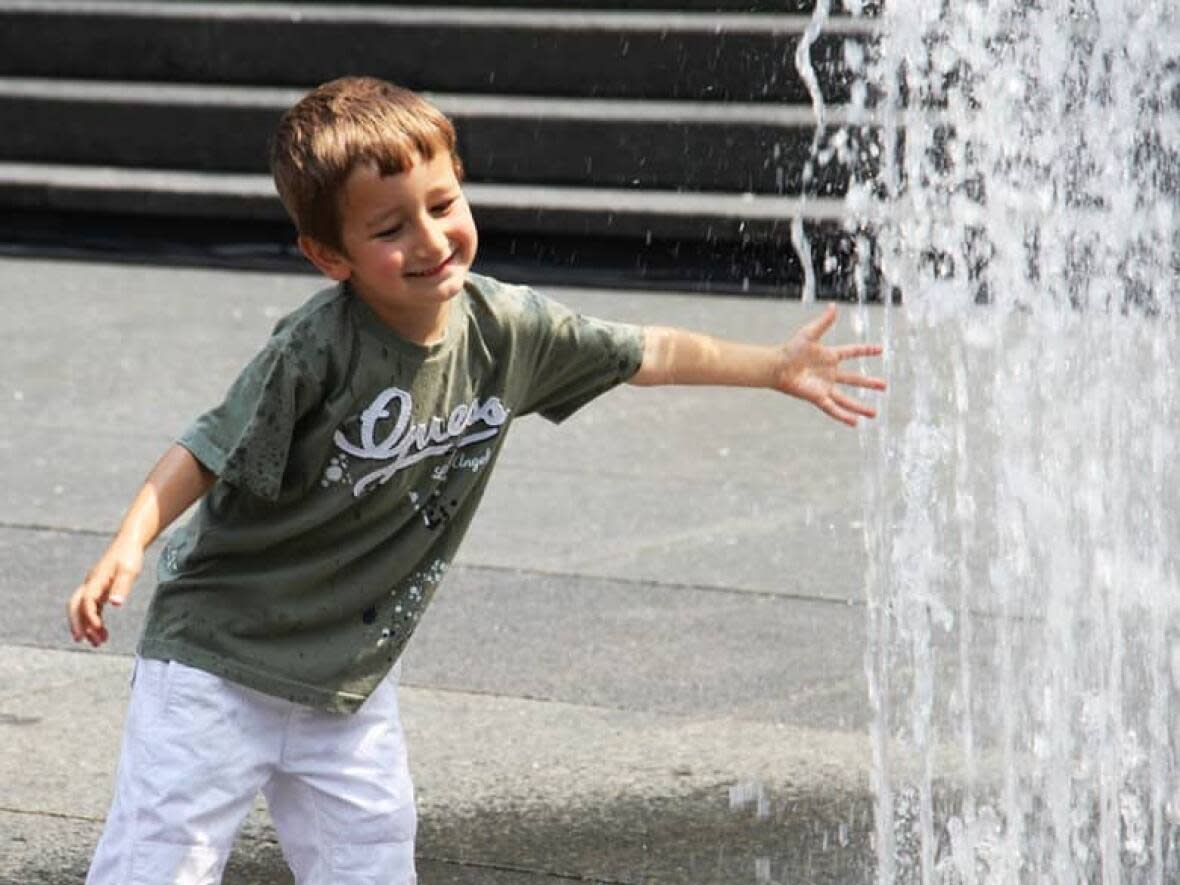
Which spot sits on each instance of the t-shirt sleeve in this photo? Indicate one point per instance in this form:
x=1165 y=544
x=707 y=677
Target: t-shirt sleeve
x=576 y=358
x=246 y=439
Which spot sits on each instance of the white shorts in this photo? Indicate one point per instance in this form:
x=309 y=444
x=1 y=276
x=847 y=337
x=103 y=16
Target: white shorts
x=198 y=748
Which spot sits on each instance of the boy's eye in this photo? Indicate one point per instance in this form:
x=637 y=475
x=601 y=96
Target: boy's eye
x=389 y=231
x=444 y=206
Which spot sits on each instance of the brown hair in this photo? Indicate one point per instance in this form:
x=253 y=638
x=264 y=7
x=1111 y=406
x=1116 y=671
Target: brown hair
x=340 y=125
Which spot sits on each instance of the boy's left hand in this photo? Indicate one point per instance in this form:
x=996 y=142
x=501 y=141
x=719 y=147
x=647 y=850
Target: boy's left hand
x=811 y=371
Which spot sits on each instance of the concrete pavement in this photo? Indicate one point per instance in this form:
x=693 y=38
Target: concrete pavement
x=646 y=666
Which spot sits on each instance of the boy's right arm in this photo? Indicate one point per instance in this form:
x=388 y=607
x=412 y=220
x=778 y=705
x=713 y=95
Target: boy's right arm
x=175 y=482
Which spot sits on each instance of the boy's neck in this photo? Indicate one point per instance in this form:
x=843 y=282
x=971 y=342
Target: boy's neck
x=425 y=326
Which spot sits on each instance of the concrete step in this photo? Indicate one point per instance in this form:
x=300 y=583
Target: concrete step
x=560 y=211
x=597 y=143
x=553 y=235
x=716 y=56
x=836 y=7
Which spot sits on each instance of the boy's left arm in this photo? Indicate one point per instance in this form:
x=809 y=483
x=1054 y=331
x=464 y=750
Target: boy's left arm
x=804 y=367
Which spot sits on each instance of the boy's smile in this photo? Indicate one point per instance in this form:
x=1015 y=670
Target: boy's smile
x=408 y=240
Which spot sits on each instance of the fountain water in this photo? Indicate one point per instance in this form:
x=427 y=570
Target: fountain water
x=1022 y=486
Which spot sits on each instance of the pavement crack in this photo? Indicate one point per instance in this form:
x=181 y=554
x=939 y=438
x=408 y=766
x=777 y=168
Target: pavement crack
x=846 y=602
x=581 y=705
x=56 y=529
x=57 y=815
x=535 y=572
x=529 y=871
x=405 y=683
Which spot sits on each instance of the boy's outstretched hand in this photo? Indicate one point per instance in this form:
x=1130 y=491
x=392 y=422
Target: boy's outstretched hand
x=811 y=371
x=804 y=367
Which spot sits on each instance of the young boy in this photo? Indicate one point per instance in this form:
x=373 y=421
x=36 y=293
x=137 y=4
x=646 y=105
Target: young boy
x=336 y=481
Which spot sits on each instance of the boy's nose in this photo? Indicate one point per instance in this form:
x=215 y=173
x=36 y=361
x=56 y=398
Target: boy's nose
x=433 y=241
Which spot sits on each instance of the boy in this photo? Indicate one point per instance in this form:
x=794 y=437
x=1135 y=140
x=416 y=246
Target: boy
x=336 y=481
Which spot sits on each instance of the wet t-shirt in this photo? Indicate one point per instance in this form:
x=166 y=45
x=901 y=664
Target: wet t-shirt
x=350 y=462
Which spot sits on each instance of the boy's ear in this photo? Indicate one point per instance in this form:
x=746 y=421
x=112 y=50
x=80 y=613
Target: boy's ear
x=329 y=260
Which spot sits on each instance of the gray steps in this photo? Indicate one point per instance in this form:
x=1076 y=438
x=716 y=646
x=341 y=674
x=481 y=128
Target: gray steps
x=498 y=208
x=770 y=6
x=596 y=237
x=598 y=143
x=669 y=138
x=655 y=55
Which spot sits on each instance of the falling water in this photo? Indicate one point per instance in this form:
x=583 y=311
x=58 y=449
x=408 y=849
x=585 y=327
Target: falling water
x=1022 y=489
x=806 y=70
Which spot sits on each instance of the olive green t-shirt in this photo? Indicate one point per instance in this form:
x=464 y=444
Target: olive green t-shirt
x=350 y=462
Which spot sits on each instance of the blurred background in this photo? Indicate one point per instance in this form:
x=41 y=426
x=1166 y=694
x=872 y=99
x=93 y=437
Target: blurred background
x=656 y=143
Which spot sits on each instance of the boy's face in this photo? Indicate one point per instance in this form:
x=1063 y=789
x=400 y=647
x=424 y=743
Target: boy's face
x=408 y=241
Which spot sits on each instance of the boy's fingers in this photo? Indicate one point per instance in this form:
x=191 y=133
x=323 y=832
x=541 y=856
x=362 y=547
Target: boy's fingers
x=91 y=613
x=107 y=581
x=852 y=405
x=853 y=351
x=82 y=613
x=843 y=417
x=73 y=614
x=91 y=598
x=854 y=380
x=817 y=327
x=121 y=587
x=833 y=410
